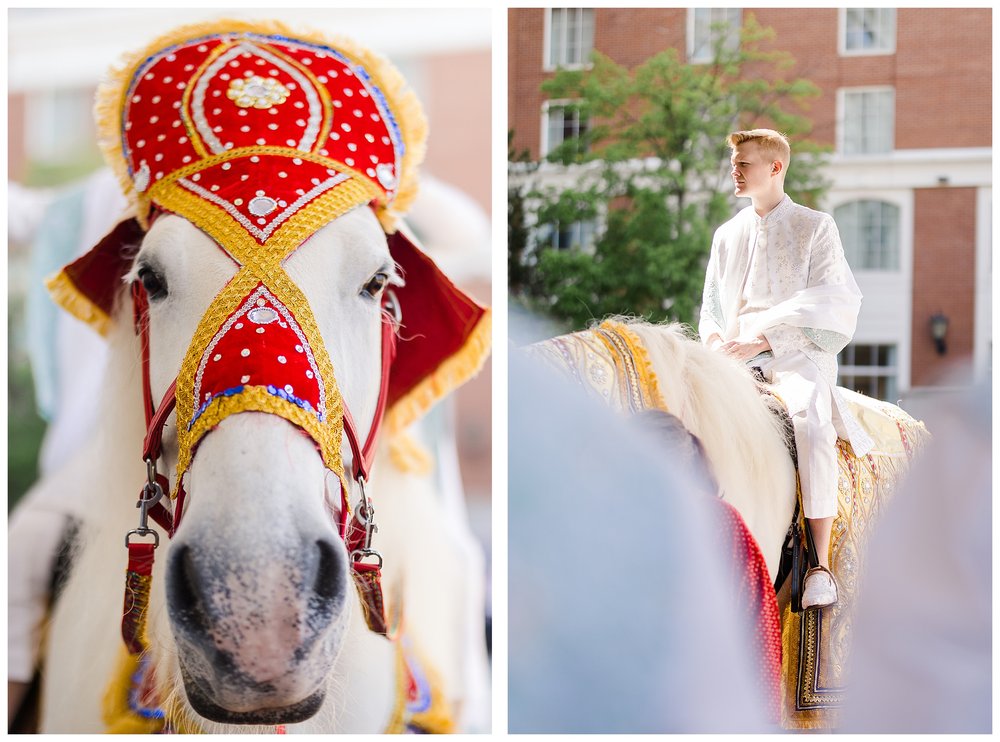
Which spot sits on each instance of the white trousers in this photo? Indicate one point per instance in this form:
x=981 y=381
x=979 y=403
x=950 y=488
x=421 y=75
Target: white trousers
x=810 y=405
x=815 y=442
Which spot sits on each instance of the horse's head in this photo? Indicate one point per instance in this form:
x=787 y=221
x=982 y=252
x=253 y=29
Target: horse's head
x=257 y=579
x=267 y=170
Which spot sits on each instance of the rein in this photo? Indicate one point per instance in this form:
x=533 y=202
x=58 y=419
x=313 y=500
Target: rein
x=356 y=533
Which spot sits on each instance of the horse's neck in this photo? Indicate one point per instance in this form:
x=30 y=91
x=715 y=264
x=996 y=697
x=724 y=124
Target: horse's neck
x=744 y=443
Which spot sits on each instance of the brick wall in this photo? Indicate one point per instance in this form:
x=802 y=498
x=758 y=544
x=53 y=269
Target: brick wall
x=943 y=95
x=944 y=260
x=941 y=69
x=525 y=46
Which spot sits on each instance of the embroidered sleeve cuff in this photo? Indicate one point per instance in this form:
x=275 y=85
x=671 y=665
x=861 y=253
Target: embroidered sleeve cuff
x=831 y=342
x=785 y=339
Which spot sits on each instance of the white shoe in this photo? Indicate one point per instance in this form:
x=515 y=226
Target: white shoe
x=820 y=589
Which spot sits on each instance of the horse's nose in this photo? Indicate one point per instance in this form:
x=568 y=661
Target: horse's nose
x=201 y=587
x=330 y=576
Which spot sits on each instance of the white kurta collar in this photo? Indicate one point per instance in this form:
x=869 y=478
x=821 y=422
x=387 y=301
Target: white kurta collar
x=774 y=216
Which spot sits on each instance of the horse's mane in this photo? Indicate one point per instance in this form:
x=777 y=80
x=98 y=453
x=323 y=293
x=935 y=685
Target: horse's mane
x=718 y=400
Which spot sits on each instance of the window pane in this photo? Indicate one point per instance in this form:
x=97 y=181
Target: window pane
x=852 y=31
x=709 y=25
x=870 y=234
x=870 y=29
x=586 y=34
x=555 y=129
x=557 y=28
x=868 y=121
x=571 y=36
x=870 y=369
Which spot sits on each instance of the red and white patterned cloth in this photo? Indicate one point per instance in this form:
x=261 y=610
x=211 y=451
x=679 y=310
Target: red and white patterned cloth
x=753 y=594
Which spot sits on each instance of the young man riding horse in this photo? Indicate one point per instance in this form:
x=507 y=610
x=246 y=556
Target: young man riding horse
x=779 y=294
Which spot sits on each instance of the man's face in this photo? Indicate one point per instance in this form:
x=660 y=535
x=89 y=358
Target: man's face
x=751 y=170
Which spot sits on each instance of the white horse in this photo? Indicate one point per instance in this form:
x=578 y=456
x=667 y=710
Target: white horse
x=718 y=401
x=254 y=619
x=635 y=365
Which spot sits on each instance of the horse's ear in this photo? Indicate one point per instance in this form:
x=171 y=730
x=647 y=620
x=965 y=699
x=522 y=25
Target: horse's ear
x=444 y=338
x=87 y=287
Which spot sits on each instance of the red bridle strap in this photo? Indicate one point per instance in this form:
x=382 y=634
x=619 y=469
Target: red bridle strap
x=356 y=534
x=152 y=445
x=363 y=455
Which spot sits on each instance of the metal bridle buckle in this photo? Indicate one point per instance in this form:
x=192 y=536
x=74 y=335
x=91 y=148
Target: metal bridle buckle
x=151 y=494
x=365 y=513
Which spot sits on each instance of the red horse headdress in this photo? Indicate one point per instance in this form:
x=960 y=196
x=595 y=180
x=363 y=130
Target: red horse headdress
x=260 y=136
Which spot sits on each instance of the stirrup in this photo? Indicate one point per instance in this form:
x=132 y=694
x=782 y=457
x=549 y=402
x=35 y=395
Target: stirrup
x=811 y=601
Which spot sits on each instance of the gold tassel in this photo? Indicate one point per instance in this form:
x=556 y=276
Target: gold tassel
x=409 y=455
x=65 y=293
x=119 y=718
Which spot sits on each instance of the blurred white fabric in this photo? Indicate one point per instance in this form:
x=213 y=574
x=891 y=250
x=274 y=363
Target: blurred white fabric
x=68 y=358
x=921 y=660
x=618 y=618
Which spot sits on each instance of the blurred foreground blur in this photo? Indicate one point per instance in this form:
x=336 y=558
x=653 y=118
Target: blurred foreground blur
x=922 y=656
x=618 y=618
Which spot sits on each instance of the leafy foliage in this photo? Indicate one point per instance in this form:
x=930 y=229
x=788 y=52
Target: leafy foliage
x=652 y=165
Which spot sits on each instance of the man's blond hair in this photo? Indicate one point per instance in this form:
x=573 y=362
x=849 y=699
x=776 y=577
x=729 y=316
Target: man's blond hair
x=769 y=141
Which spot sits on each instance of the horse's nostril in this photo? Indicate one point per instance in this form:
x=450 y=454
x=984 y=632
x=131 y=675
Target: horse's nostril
x=182 y=589
x=329 y=575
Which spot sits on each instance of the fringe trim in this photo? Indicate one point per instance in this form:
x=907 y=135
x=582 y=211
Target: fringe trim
x=409 y=455
x=640 y=356
x=437 y=718
x=65 y=293
x=406 y=109
x=118 y=717
x=450 y=374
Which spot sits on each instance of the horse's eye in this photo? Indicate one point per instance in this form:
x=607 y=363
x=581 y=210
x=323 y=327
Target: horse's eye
x=156 y=287
x=376 y=285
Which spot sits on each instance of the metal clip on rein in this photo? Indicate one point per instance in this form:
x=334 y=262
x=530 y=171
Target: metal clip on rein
x=152 y=493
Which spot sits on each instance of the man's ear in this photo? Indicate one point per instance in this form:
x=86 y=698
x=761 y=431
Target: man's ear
x=776 y=167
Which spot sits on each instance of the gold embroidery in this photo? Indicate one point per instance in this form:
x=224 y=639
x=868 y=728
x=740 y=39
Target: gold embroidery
x=816 y=644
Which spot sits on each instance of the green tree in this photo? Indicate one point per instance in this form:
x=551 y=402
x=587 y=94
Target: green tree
x=653 y=164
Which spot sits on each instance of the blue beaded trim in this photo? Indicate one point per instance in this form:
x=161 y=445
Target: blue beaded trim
x=271 y=389
x=133 y=692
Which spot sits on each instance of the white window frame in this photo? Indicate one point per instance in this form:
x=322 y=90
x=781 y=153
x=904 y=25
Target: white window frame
x=544 y=146
x=690 y=42
x=886 y=316
x=547 y=64
x=842 y=94
x=899 y=249
x=874 y=370
x=842 y=37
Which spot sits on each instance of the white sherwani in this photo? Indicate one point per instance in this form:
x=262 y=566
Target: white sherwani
x=784 y=276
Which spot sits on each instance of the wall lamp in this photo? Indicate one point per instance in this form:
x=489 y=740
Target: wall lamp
x=939 y=329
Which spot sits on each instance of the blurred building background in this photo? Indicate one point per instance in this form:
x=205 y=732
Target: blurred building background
x=56 y=58
x=906 y=110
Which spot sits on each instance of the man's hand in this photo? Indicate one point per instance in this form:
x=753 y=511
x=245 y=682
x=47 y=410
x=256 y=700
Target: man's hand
x=745 y=351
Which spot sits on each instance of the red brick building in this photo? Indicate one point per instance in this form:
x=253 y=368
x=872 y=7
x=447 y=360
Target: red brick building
x=906 y=108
